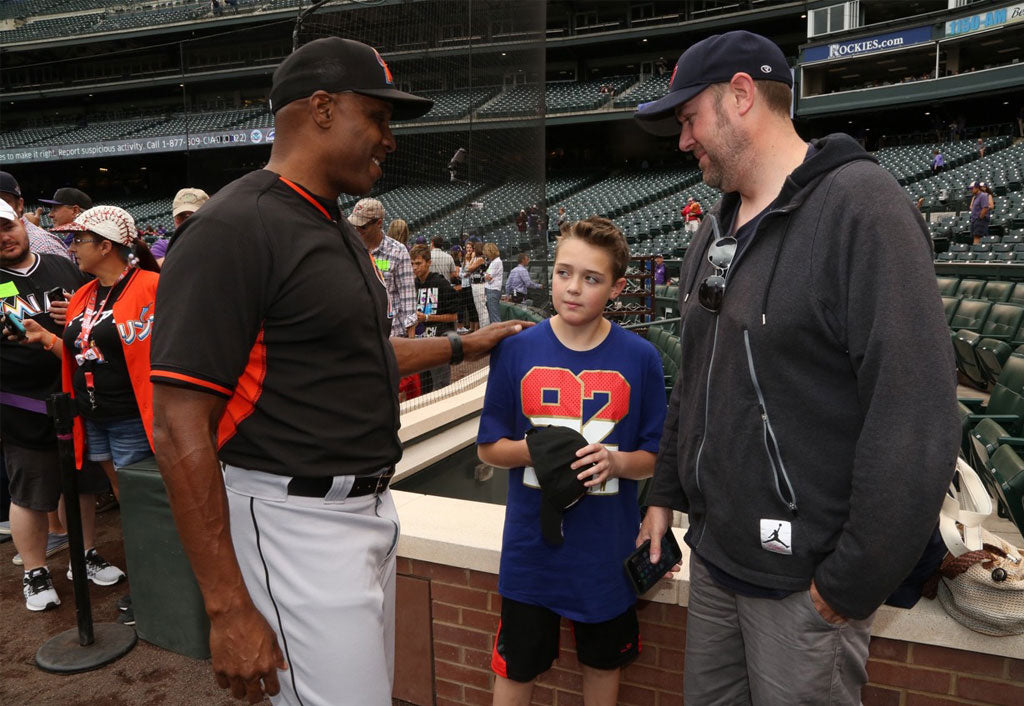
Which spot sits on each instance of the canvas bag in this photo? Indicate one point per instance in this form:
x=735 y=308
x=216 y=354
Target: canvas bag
x=981 y=580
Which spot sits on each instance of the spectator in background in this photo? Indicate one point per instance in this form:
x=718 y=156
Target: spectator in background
x=29 y=373
x=521 y=221
x=493 y=280
x=691 y=215
x=519 y=280
x=659 y=269
x=991 y=199
x=562 y=217
x=938 y=163
x=981 y=148
x=392 y=260
x=533 y=221
x=980 y=207
x=440 y=261
x=186 y=202
x=457 y=285
x=436 y=312
x=39 y=240
x=66 y=205
x=473 y=269
x=398 y=230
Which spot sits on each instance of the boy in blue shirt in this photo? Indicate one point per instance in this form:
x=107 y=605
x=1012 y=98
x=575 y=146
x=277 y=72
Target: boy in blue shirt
x=580 y=371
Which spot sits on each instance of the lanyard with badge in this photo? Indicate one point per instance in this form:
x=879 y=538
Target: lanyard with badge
x=84 y=341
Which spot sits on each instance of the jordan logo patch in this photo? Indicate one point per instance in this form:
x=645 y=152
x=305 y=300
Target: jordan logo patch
x=777 y=536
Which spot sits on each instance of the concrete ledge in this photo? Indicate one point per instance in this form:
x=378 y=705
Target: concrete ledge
x=467 y=535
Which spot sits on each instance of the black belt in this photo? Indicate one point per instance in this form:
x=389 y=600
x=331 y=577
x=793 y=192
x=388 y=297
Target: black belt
x=318 y=487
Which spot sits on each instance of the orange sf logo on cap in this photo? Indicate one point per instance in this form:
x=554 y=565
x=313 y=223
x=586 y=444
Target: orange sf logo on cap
x=387 y=72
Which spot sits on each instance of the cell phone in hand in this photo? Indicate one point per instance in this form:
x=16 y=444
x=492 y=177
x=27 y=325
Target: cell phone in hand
x=56 y=294
x=14 y=326
x=642 y=573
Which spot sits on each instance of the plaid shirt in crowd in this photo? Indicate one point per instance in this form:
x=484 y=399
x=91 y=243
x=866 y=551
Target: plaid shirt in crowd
x=42 y=241
x=393 y=262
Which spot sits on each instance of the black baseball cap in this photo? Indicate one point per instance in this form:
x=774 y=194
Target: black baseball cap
x=334 y=65
x=9 y=185
x=713 y=60
x=553 y=451
x=68 y=196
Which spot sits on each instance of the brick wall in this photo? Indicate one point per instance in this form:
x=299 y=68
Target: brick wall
x=910 y=674
x=465 y=607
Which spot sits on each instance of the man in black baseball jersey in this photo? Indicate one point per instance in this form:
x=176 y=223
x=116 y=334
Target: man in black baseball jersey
x=276 y=344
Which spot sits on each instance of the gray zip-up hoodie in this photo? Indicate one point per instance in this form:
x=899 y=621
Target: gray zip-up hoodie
x=823 y=395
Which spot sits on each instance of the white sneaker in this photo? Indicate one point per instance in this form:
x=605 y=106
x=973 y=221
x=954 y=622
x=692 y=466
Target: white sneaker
x=37 y=586
x=99 y=571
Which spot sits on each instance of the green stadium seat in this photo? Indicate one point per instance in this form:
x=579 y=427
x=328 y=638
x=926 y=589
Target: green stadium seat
x=997 y=291
x=1003 y=321
x=1002 y=471
x=970 y=315
x=947 y=285
x=971 y=288
x=1006 y=401
x=949 y=304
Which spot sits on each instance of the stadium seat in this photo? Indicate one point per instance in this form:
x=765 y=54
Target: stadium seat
x=1017 y=294
x=1002 y=322
x=949 y=304
x=1002 y=471
x=971 y=288
x=997 y=291
x=947 y=285
x=970 y=315
x=959 y=247
x=1006 y=401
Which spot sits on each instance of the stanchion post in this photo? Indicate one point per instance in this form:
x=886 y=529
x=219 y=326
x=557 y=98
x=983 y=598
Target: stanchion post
x=90 y=646
x=61 y=410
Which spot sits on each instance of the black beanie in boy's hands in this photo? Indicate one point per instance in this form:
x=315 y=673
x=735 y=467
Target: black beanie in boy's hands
x=553 y=451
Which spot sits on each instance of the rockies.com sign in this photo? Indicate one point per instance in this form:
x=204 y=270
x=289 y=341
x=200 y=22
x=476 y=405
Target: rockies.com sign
x=868 y=45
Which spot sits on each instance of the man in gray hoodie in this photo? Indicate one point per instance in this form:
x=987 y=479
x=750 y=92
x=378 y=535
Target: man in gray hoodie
x=812 y=429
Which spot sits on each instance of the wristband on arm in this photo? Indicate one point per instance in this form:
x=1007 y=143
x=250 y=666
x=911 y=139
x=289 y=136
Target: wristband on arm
x=456 y=342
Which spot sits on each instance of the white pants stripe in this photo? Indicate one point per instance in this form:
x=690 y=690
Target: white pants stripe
x=322 y=572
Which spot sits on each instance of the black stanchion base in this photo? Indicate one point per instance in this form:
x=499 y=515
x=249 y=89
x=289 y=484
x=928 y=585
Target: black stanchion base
x=62 y=654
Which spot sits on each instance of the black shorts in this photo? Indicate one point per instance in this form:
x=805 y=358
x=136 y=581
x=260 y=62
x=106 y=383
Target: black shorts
x=34 y=477
x=527 y=641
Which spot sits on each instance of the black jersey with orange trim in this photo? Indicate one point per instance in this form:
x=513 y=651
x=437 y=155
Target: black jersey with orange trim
x=270 y=300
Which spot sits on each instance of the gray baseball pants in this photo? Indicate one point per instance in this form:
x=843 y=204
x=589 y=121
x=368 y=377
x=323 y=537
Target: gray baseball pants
x=322 y=572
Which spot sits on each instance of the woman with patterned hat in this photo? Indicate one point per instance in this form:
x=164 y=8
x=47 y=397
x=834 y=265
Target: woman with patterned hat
x=105 y=346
